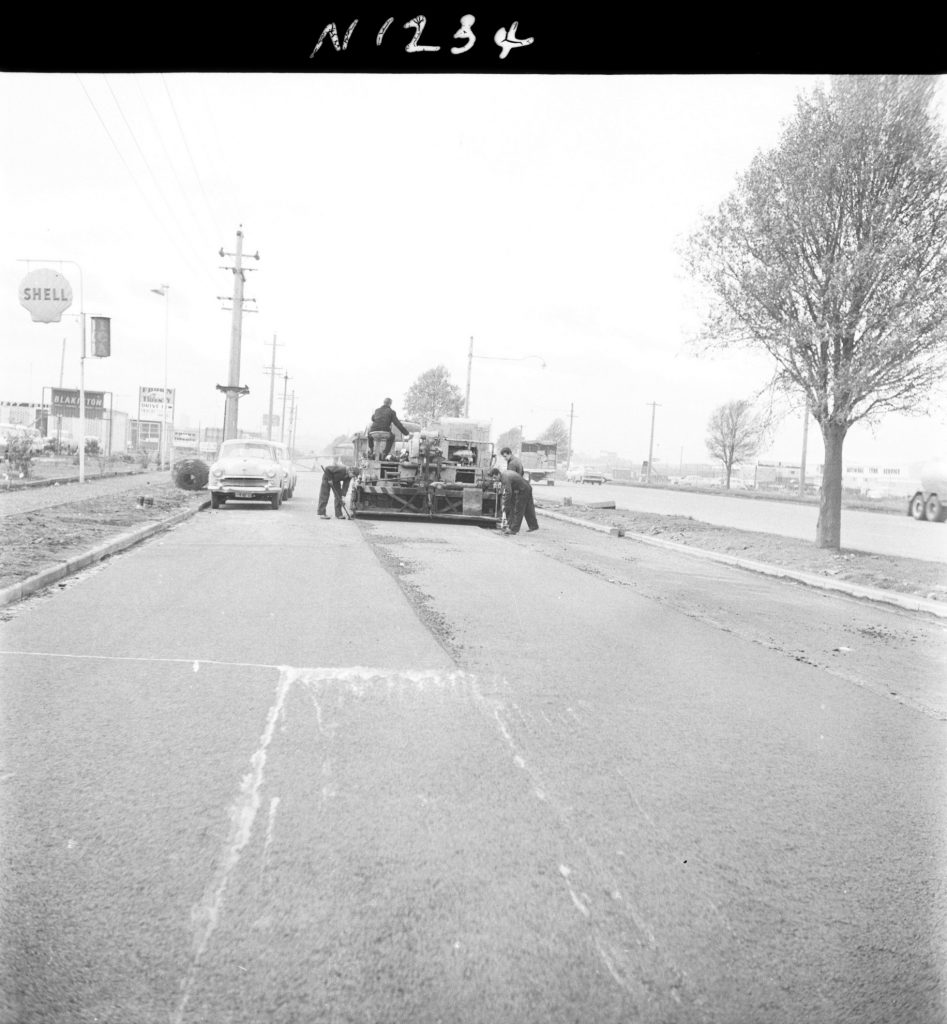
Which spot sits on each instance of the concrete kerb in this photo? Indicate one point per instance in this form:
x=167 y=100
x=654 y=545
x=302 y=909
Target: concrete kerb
x=906 y=601
x=16 y=592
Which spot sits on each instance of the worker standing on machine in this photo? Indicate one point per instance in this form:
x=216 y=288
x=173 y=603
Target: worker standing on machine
x=382 y=419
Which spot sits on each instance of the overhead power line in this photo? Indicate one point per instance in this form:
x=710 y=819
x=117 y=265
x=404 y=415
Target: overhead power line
x=151 y=173
x=134 y=177
x=187 y=148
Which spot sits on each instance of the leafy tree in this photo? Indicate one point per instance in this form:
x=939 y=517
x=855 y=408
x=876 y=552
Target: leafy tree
x=433 y=395
x=831 y=256
x=512 y=438
x=557 y=433
x=734 y=434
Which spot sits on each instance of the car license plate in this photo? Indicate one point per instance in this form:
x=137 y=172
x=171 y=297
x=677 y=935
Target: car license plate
x=243 y=494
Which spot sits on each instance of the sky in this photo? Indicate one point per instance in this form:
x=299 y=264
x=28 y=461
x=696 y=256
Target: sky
x=401 y=221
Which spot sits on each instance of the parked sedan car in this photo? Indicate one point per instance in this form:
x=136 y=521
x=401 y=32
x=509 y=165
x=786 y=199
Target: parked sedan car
x=581 y=475
x=247 y=470
x=283 y=452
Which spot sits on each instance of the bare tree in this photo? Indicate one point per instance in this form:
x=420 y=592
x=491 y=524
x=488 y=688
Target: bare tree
x=433 y=395
x=734 y=434
x=831 y=256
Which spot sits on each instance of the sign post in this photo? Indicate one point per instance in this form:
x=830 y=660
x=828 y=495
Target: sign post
x=47 y=295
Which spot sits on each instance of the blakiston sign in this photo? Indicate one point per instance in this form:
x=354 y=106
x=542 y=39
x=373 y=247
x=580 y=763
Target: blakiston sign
x=65 y=402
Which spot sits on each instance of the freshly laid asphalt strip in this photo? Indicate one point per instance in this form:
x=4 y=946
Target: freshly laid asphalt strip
x=31 y=584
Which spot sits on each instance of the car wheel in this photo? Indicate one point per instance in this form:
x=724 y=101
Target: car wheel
x=918 y=510
x=216 y=500
x=934 y=511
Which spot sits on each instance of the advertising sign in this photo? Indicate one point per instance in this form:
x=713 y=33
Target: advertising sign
x=46 y=294
x=185 y=438
x=151 y=403
x=65 y=402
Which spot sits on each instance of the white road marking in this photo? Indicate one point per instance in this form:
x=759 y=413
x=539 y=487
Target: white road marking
x=271 y=821
x=205 y=915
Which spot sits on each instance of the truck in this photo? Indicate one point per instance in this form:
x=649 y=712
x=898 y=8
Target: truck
x=930 y=502
x=539 y=461
x=438 y=473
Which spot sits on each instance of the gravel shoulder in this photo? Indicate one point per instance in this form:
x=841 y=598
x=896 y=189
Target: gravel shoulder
x=46 y=526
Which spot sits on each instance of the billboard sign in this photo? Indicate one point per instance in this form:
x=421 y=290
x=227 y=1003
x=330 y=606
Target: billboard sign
x=151 y=403
x=46 y=295
x=185 y=438
x=65 y=402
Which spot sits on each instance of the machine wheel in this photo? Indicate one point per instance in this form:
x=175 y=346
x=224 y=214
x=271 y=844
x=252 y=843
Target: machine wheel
x=934 y=511
x=277 y=499
x=917 y=506
x=216 y=500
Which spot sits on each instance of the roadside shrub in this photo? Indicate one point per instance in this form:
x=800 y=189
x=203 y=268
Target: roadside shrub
x=19 y=455
x=191 y=474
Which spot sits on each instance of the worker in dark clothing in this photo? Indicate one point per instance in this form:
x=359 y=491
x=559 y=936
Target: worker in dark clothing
x=513 y=464
x=335 y=478
x=518 y=497
x=382 y=419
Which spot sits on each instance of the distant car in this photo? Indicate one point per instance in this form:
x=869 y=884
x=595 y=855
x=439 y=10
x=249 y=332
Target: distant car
x=283 y=452
x=581 y=475
x=247 y=470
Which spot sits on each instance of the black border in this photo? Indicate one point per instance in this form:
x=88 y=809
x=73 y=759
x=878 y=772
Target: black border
x=583 y=39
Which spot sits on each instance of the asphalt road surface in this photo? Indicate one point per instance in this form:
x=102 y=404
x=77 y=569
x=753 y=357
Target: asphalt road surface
x=884 y=534
x=271 y=768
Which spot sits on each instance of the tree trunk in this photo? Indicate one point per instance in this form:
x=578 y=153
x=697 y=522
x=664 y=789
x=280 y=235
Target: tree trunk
x=828 y=531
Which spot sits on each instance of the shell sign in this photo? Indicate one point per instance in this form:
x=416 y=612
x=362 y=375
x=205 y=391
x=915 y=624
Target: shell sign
x=46 y=294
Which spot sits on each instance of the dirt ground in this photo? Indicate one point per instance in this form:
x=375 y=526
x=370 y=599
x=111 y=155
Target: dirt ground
x=39 y=530
x=42 y=527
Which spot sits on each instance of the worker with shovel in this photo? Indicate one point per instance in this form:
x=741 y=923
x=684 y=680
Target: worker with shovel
x=335 y=478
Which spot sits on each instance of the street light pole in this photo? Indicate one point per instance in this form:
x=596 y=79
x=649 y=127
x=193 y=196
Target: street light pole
x=654 y=406
x=164 y=452
x=469 y=367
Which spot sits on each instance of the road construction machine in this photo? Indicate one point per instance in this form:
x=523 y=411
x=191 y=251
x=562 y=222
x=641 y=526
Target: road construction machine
x=438 y=473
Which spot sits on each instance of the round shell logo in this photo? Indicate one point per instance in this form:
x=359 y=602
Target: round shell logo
x=46 y=294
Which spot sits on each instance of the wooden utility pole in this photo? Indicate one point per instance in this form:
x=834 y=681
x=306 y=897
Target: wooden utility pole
x=233 y=389
x=282 y=422
x=469 y=367
x=272 y=372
